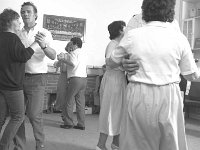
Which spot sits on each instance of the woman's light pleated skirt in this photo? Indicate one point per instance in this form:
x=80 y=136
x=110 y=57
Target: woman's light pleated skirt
x=112 y=92
x=153 y=118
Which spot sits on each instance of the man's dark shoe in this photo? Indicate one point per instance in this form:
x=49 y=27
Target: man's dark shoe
x=66 y=126
x=78 y=127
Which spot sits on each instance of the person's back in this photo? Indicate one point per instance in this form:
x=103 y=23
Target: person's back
x=159 y=58
x=79 y=69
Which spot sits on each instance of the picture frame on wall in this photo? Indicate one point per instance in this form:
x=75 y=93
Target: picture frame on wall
x=64 y=28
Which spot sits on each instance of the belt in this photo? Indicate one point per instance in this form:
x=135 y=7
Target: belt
x=76 y=78
x=33 y=74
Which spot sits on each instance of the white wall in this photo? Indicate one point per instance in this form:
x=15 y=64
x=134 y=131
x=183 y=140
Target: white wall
x=98 y=14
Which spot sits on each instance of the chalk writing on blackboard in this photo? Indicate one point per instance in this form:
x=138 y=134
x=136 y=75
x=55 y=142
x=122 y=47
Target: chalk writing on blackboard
x=64 y=28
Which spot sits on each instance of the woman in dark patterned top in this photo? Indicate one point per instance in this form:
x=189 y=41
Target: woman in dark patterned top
x=13 y=56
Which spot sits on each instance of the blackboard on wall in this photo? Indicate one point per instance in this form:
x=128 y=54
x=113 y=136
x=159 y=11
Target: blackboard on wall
x=64 y=28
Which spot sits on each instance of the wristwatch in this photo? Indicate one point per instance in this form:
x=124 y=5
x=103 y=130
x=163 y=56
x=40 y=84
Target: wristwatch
x=44 y=47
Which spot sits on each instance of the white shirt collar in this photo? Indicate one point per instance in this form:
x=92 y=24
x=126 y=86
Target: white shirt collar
x=158 y=24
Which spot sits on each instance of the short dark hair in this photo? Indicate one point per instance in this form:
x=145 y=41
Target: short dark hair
x=158 y=10
x=30 y=4
x=115 y=27
x=77 y=41
x=6 y=17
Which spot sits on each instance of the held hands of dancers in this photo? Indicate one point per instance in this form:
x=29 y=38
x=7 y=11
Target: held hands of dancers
x=40 y=39
x=62 y=56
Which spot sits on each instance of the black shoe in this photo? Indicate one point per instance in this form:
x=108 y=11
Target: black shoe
x=78 y=127
x=66 y=126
